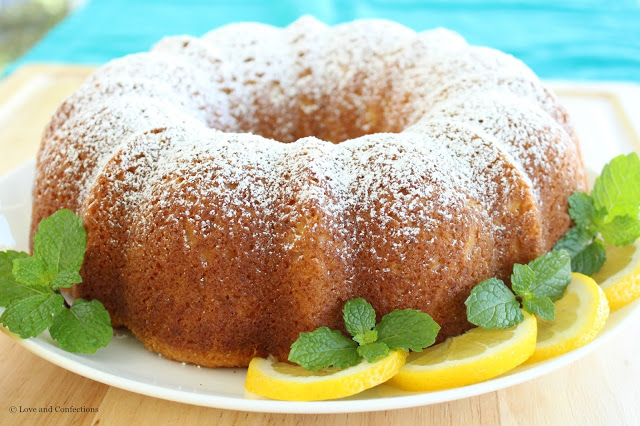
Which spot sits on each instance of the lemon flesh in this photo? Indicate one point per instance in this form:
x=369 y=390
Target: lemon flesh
x=619 y=277
x=475 y=356
x=580 y=315
x=278 y=380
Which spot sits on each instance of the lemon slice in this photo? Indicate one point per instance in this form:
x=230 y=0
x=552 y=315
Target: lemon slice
x=619 y=277
x=475 y=356
x=279 y=380
x=580 y=315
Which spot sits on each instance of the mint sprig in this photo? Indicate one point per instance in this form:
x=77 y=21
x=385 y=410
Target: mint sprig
x=492 y=305
x=551 y=275
x=373 y=351
x=541 y=306
x=359 y=318
x=406 y=329
x=10 y=289
x=58 y=250
x=29 y=288
x=609 y=215
x=30 y=316
x=538 y=284
x=322 y=348
x=82 y=327
x=617 y=189
x=590 y=259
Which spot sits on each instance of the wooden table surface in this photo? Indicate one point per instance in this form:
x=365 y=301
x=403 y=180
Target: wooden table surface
x=600 y=389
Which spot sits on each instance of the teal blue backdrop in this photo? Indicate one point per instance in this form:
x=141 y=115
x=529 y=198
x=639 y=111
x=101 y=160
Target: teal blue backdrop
x=570 y=39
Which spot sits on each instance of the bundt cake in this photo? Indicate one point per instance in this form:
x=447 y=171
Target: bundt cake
x=238 y=188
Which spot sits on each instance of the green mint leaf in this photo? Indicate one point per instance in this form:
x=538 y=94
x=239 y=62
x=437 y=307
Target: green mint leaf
x=582 y=209
x=66 y=279
x=541 y=306
x=31 y=272
x=407 y=329
x=10 y=289
x=85 y=327
x=492 y=305
x=574 y=241
x=552 y=274
x=27 y=287
x=368 y=337
x=587 y=257
x=323 y=348
x=590 y=260
x=373 y=351
x=359 y=316
x=617 y=189
x=6 y=262
x=60 y=244
x=32 y=315
x=621 y=230
x=522 y=279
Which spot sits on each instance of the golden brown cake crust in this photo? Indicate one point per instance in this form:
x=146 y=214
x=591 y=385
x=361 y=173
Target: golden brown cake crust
x=215 y=242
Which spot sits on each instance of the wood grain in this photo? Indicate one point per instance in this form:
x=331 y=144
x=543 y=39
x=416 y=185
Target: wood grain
x=601 y=388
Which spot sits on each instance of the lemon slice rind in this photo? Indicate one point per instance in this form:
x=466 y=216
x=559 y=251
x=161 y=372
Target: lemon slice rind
x=492 y=362
x=263 y=379
x=622 y=287
x=590 y=319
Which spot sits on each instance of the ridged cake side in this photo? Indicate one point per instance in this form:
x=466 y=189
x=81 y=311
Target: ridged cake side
x=215 y=245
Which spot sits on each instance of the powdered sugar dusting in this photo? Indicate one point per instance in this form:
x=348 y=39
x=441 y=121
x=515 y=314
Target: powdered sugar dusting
x=415 y=163
x=291 y=83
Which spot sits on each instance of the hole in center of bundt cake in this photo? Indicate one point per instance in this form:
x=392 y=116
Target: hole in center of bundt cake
x=288 y=115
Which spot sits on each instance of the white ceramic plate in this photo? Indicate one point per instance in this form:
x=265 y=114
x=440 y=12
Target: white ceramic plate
x=127 y=365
